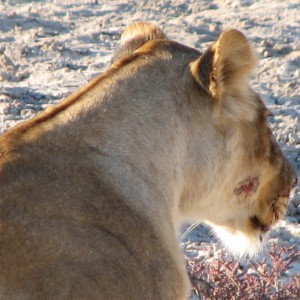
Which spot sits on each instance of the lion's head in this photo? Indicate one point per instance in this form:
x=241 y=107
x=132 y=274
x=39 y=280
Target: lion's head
x=249 y=183
x=234 y=175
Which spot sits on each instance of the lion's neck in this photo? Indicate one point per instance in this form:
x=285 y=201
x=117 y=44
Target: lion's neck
x=149 y=183
x=139 y=143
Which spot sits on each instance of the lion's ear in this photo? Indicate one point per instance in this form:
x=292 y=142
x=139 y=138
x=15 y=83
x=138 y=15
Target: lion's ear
x=135 y=36
x=224 y=71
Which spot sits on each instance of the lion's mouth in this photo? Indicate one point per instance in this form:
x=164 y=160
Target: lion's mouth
x=259 y=224
x=263 y=228
x=278 y=207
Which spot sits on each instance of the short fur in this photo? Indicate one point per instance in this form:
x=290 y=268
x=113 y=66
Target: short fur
x=92 y=191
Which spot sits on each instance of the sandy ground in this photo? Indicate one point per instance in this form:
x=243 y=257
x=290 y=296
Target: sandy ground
x=50 y=48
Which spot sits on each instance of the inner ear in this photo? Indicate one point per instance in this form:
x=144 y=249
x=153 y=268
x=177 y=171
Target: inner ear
x=135 y=36
x=224 y=71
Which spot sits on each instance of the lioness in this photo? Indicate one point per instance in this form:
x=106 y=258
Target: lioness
x=94 y=189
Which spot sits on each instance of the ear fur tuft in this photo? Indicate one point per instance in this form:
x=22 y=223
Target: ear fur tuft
x=224 y=71
x=135 y=36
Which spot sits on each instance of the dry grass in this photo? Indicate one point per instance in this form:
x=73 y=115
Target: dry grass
x=222 y=277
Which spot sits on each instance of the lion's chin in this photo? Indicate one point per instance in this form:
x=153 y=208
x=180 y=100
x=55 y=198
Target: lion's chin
x=239 y=243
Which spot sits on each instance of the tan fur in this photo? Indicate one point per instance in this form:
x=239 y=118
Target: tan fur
x=92 y=192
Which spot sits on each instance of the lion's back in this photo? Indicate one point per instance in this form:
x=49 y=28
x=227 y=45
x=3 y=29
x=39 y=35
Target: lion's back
x=66 y=236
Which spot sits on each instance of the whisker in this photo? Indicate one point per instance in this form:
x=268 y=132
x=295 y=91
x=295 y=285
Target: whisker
x=274 y=218
x=271 y=204
x=190 y=228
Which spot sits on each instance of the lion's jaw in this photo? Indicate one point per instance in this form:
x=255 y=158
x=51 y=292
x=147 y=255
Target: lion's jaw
x=241 y=216
x=239 y=243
